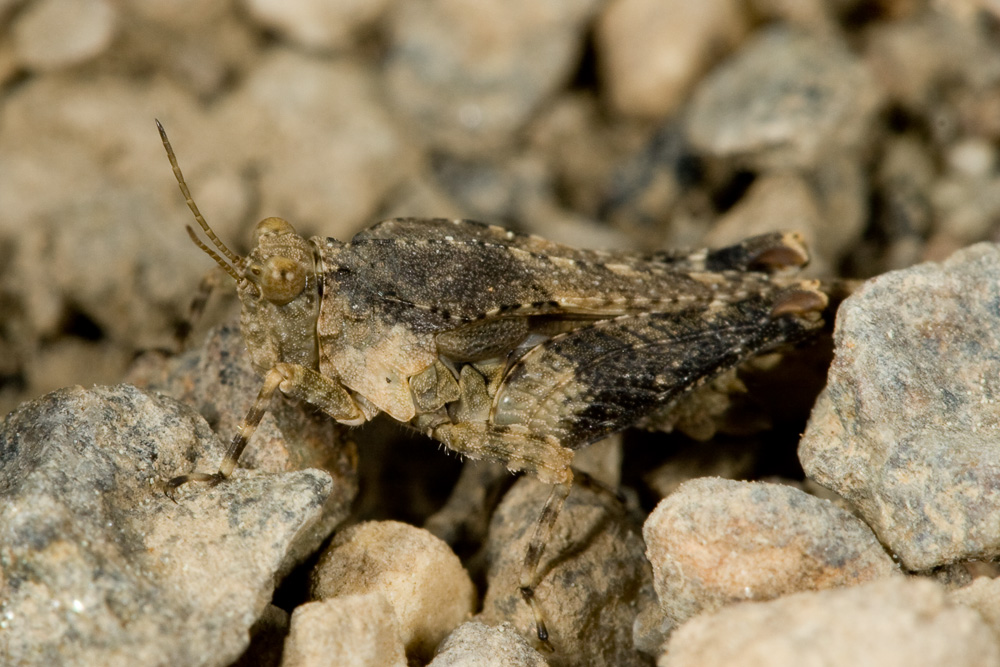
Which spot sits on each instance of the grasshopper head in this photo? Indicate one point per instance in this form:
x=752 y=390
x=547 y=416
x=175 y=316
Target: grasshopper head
x=276 y=283
x=279 y=290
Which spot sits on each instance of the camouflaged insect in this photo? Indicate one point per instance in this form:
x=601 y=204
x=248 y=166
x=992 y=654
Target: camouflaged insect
x=497 y=344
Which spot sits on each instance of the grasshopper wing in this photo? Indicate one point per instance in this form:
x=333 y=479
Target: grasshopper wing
x=584 y=385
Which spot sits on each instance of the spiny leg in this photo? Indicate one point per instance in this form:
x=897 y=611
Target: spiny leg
x=533 y=556
x=294 y=381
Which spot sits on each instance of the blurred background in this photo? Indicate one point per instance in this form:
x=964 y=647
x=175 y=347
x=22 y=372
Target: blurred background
x=871 y=126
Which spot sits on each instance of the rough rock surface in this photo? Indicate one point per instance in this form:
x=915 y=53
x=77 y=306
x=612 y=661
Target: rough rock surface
x=474 y=644
x=897 y=622
x=99 y=567
x=907 y=427
x=346 y=631
x=217 y=380
x=593 y=569
x=422 y=579
x=715 y=541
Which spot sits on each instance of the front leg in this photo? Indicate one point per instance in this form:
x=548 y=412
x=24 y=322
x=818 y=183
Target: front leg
x=294 y=381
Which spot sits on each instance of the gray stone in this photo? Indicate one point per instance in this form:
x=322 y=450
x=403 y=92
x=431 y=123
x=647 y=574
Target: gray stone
x=474 y=644
x=217 y=380
x=469 y=73
x=907 y=426
x=99 y=567
x=785 y=100
x=714 y=542
x=892 y=623
x=593 y=571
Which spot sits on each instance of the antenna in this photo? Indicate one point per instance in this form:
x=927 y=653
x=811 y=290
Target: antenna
x=236 y=260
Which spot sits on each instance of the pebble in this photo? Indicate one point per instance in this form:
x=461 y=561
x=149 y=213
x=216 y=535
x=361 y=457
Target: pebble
x=315 y=24
x=345 y=631
x=95 y=559
x=966 y=197
x=893 y=623
x=652 y=51
x=907 y=428
x=593 y=569
x=911 y=74
x=419 y=575
x=714 y=542
x=468 y=74
x=201 y=45
x=786 y=99
x=982 y=595
x=53 y=34
x=474 y=644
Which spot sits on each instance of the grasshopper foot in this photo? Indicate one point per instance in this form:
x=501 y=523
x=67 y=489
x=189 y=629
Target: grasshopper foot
x=528 y=593
x=209 y=478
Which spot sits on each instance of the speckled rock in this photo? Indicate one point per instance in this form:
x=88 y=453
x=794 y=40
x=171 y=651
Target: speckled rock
x=51 y=34
x=907 y=426
x=593 y=571
x=652 y=51
x=715 y=541
x=785 y=100
x=345 y=631
x=422 y=579
x=474 y=644
x=468 y=73
x=217 y=380
x=99 y=567
x=898 y=623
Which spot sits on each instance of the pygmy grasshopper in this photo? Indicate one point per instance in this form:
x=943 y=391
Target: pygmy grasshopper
x=497 y=344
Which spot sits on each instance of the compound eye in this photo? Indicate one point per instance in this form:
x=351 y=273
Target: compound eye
x=281 y=280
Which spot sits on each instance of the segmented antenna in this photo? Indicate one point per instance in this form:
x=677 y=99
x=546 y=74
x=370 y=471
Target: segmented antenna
x=235 y=259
